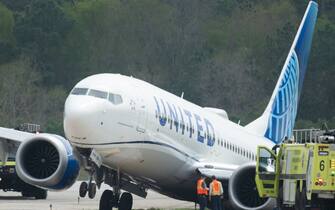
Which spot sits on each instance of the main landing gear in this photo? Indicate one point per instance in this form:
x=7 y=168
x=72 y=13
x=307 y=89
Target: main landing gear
x=109 y=200
x=112 y=199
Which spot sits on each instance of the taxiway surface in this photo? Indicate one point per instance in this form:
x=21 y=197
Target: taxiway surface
x=68 y=200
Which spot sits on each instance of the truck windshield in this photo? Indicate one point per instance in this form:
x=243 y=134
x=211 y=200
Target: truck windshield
x=266 y=161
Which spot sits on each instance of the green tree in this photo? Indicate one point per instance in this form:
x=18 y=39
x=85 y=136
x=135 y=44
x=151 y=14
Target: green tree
x=7 y=42
x=40 y=31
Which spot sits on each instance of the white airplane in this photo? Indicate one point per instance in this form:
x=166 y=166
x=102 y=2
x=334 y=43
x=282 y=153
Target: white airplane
x=134 y=136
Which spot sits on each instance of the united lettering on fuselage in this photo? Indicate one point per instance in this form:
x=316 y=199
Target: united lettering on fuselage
x=180 y=119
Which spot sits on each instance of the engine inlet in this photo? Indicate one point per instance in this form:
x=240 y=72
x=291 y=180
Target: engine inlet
x=41 y=159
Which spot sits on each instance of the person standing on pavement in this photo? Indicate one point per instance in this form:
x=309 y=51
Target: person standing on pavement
x=202 y=192
x=215 y=193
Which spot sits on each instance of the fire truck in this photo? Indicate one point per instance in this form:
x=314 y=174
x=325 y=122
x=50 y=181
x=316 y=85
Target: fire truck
x=298 y=175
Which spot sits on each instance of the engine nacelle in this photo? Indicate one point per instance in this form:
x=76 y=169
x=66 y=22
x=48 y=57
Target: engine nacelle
x=243 y=192
x=47 y=161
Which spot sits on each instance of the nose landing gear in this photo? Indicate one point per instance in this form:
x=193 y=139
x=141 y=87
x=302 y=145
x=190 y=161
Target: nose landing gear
x=110 y=198
x=83 y=189
x=87 y=188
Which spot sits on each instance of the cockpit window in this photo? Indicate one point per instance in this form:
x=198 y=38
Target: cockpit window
x=115 y=98
x=98 y=93
x=79 y=91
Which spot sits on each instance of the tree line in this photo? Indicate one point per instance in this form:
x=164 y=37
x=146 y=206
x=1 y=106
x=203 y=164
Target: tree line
x=226 y=54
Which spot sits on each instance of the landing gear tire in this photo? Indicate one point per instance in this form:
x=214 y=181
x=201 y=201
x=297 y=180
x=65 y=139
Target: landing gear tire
x=41 y=194
x=92 y=189
x=126 y=201
x=300 y=199
x=280 y=200
x=83 y=189
x=26 y=194
x=107 y=200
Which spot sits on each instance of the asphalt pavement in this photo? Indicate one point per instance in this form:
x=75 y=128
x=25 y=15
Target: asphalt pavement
x=69 y=200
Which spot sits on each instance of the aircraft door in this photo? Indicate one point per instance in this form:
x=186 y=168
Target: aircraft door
x=141 y=115
x=267 y=173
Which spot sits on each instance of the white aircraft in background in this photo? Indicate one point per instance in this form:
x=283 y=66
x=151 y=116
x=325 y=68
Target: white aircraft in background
x=134 y=136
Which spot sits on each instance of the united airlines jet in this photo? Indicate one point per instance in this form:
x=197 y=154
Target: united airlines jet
x=134 y=136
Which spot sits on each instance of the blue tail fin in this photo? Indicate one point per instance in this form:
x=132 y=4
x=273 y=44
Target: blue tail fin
x=278 y=119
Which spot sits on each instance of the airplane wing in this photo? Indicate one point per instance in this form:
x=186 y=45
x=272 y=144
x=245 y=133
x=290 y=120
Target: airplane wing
x=221 y=171
x=10 y=139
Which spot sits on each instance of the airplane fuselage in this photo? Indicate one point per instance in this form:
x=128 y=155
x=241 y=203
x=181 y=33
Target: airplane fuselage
x=152 y=135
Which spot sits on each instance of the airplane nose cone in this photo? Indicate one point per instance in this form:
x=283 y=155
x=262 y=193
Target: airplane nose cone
x=81 y=117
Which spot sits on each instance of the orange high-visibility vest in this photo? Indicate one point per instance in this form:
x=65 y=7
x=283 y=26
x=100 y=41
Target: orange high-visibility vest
x=200 y=189
x=216 y=190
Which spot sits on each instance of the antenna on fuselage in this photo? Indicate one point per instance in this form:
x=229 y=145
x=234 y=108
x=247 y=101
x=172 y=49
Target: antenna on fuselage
x=182 y=95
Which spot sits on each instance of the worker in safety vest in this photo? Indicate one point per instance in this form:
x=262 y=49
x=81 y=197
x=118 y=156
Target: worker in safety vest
x=202 y=192
x=215 y=193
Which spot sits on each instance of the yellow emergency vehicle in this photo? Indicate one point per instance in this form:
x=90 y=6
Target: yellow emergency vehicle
x=299 y=176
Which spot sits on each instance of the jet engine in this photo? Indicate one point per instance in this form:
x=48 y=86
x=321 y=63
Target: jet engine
x=243 y=192
x=47 y=161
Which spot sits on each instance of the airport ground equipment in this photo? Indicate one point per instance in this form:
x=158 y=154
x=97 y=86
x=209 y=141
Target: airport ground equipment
x=9 y=180
x=298 y=175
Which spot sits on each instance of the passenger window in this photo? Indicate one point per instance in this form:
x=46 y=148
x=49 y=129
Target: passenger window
x=115 y=98
x=79 y=91
x=98 y=93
